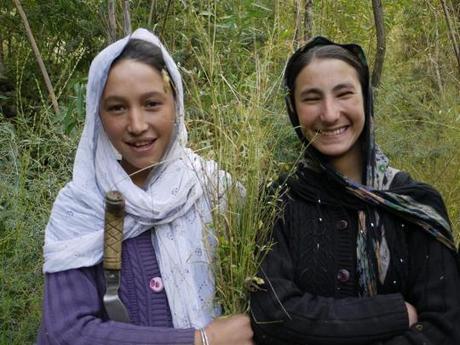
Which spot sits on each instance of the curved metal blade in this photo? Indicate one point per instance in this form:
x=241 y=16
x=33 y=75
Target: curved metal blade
x=113 y=305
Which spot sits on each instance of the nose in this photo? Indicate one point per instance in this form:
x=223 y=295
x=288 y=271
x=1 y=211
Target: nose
x=330 y=110
x=136 y=121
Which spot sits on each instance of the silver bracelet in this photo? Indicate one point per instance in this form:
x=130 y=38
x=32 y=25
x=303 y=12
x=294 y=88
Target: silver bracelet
x=204 y=337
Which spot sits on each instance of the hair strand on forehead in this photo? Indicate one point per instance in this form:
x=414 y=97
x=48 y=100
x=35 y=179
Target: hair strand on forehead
x=330 y=51
x=149 y=54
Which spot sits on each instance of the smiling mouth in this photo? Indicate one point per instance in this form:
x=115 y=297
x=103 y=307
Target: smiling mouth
x=141 y=145
x=331 y=132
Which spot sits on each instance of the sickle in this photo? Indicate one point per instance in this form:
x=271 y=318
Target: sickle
x=113 y=236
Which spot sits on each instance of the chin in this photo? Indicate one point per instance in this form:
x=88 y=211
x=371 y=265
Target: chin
x=331 y=152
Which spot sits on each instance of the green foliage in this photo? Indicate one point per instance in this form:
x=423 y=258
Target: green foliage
x=67 y=35
x=72 y=116
x=35 y=160
x=232 y=55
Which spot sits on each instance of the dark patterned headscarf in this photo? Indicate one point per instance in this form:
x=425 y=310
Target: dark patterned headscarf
x=412 y=201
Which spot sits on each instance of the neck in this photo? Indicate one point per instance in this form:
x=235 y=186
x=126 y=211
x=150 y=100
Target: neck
x=138 y=177
x=350 y=165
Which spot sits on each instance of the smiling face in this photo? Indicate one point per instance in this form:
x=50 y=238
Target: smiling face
x=138 y=114
x=329 y=104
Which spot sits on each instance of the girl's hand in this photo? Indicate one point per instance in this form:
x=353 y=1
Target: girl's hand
x=233 y=330
x=412 y=312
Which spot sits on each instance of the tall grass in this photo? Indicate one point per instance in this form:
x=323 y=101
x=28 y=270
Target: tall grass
x=36 y=153
x=418 y=122
x=235 y=125
x=35 y=163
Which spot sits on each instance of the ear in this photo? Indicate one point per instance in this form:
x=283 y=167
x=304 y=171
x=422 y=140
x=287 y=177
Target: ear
x=289 y=105
x=293 y=117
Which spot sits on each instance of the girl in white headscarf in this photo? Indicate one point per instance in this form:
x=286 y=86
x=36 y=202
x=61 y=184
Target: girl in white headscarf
x=134 y=141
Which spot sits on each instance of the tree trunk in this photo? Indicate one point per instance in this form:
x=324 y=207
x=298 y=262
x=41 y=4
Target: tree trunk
x=381 y=47
x=126 y=18
x=452 y=33
x=308 y=20
x=38 y=56
x=112 y=21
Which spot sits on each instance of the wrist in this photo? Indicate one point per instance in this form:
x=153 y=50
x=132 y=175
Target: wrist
x=197 y=340
x=201 y=337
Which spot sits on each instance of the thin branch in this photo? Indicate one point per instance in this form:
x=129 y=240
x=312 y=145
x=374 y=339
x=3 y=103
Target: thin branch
x=381 y=46
x=152 y=5
x=126 y=18
x=112 y=21
x=451 y=33
x=38 y=56
x=298 y=22
x=2 y=66
x=308 y=20
x=435 y=61
x=166 y=16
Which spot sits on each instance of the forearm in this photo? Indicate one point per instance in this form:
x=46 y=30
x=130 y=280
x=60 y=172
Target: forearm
x=284 y=313
x=280 y=318
x=73 y=314
x=434 y=292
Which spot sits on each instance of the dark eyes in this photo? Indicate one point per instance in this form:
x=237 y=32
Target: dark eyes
x=115 y=108
x=345 y=94
x=152 y=104
x=311 y=99
x=341 y=95
x=119 y=108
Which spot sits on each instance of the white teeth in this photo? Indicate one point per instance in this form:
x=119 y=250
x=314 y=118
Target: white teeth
x=141 y=143
x=328 y=132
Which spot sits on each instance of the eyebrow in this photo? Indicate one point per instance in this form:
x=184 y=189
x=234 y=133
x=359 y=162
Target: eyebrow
x=121 y=98
x=343 y=86
x=336 y=88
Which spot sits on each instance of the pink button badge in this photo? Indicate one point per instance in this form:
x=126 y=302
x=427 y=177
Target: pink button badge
x=156 y=284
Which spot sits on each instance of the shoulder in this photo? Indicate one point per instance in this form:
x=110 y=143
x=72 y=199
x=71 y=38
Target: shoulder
x=292 y=205
x=216 y=183
x=420 y=192
x=206 y=171
x=400 y=179
x=425 y=200
x=403 y=179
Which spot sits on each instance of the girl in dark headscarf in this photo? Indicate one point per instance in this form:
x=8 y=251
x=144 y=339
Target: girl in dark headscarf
x=362 y=253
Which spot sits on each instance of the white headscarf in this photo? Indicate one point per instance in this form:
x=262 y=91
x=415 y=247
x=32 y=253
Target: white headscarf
x=176 y=202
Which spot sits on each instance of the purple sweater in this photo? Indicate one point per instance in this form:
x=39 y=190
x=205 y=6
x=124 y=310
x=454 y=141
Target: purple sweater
x=73 y=311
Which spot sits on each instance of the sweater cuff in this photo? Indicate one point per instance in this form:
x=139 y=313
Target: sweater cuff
x=183 y=337
x=398 y=319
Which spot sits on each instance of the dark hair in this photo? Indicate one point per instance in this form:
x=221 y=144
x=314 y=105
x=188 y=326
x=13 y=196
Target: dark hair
x=147 y=53
x=324 y=52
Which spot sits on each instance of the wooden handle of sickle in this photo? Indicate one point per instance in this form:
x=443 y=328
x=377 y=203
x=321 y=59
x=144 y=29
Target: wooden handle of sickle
x=113 y=229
